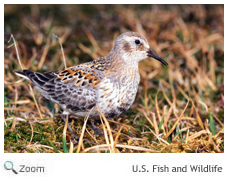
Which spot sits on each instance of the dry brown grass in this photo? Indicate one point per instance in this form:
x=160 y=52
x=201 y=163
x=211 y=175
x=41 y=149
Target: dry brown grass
x=179 y=108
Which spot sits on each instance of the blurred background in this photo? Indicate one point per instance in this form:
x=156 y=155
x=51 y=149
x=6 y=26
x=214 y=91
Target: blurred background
x=189 y=37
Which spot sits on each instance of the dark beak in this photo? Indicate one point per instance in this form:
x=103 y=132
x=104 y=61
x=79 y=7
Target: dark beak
x=152 y=54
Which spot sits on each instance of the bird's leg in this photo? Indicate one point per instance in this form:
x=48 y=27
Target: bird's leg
x=95 y=129
x=76 y=139
x=69 y=128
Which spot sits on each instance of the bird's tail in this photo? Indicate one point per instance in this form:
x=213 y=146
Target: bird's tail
x=22 y=74
x=39 y=79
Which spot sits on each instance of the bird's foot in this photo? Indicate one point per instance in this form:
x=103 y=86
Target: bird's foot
x=95 y=129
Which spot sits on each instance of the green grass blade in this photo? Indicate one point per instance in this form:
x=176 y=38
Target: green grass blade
x=162 y=120
x=25 y=143
x=51 y=104
x=65 y=148
x=9 y=124
x=179 y=132
x=143 y=101
x=212 y=125
x=17 y=139
x=56 y=150
x=5 y=101
x=182 y=139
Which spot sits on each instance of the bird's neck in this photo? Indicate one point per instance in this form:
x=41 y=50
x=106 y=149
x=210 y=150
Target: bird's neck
x=123 y=71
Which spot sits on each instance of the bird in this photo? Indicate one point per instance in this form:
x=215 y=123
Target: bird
x=109 y=83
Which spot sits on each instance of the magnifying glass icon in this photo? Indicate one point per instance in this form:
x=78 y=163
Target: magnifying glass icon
x=8 y=165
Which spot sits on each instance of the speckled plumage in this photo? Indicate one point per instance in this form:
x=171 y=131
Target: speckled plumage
x=109 y=83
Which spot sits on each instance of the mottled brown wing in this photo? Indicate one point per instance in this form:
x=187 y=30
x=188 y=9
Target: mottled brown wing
x=75 y=89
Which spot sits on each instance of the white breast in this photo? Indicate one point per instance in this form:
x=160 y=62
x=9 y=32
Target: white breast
x=114 y=97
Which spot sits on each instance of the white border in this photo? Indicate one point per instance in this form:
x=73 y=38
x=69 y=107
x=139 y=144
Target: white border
x=114 y=167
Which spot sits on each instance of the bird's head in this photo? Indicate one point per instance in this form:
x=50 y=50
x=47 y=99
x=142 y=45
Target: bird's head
x=134 y=47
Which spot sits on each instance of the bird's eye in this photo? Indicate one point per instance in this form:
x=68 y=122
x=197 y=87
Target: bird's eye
x=137 y=42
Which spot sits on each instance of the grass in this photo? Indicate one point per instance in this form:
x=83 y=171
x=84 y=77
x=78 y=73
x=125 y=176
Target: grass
x=178 y=108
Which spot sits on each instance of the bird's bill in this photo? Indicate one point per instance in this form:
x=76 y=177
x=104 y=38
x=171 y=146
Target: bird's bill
x=151 y=53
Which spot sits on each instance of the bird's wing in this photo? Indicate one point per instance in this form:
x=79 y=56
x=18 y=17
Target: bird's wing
x=74 y=88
